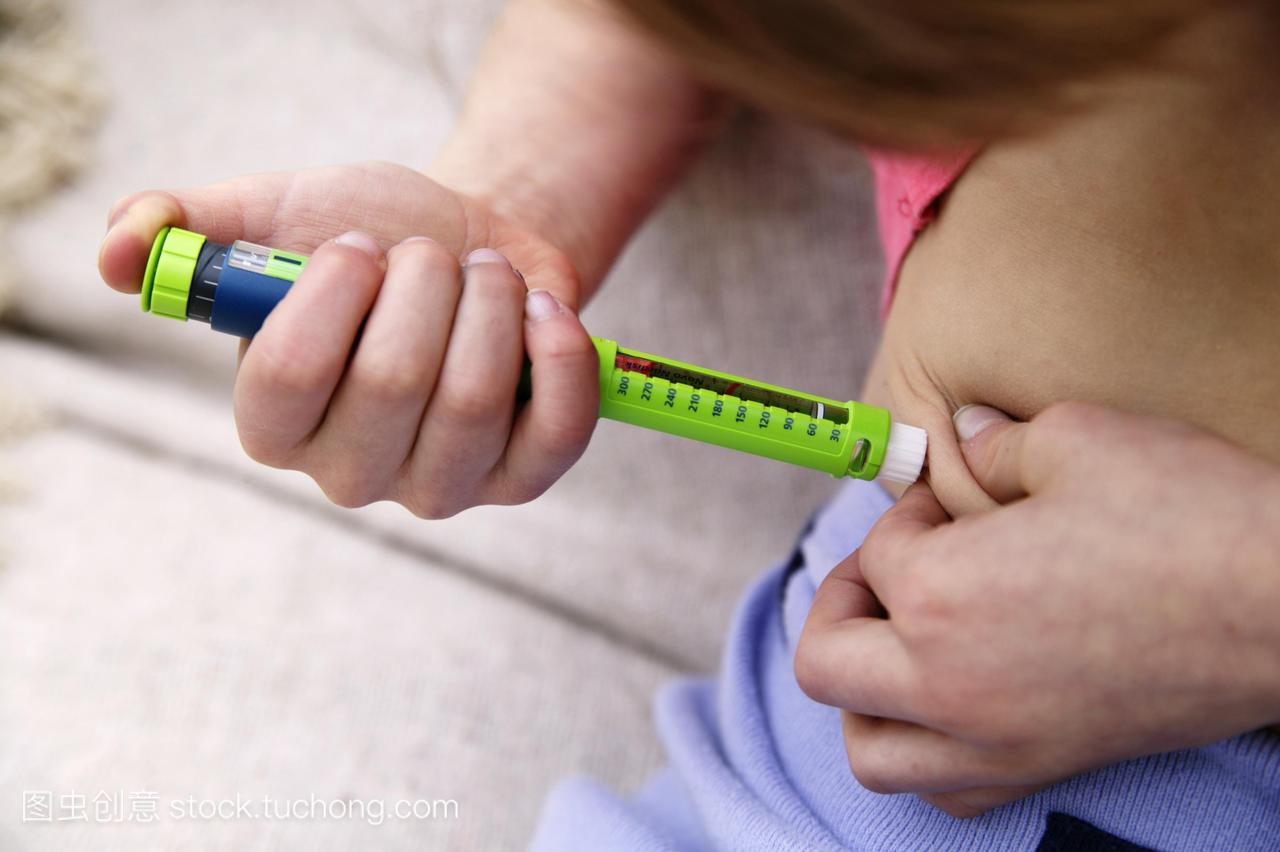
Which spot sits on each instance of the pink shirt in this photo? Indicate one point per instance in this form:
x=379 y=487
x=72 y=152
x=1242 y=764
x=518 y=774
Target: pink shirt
x=908 y=187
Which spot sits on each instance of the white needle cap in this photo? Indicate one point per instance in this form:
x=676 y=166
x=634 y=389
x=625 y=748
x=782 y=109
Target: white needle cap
x=904 y=456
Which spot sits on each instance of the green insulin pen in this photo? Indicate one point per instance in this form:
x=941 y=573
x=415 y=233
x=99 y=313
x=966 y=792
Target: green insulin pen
x=234 y=287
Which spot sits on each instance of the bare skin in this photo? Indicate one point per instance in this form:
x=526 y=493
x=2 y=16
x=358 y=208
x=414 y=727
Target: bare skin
x=1127 y=258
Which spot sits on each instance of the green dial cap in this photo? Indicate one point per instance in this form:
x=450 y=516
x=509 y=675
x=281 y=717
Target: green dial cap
x=170 y=268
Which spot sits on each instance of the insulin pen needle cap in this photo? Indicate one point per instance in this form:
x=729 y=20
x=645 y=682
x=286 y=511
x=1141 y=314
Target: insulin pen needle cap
x=904 y=454
x=166 y=285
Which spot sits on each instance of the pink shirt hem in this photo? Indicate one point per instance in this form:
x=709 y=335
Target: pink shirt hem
x=907 y=190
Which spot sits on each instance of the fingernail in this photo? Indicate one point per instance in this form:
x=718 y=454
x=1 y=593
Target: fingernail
x=143 y=204
x=360 y=240
x=117 y=215
x=486 y=255
x=540 y=305
x=970 y=420
x=119 y=212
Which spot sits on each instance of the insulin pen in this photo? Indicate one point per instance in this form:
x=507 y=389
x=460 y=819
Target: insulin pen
x=233 y=288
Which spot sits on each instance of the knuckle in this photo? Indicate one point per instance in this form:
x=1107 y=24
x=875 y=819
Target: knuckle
x=568 y=346
x=495 y=281
x=880 y=547
x=1068 y=411
x=383 y=379
x=988 y=458
x=513 y=493
x=259 y=441
x=425 y=254
x=261 y=449
x=342 y=266
x=997 y=734
x=1081 y=431
x=287 y=368
x=566 y=352
x=469 y=404
x=1193 y=445
x=351 y=489
x=868 y=767
x=1065 y=419
x=566 y=438
x=954 y=804
x=430 y=506
x=808 y=670
x=569 y=354
x=874 y=548
x=346 y=496
x=922 y=606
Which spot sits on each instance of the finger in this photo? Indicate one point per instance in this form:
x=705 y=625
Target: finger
x=244 y=208
x=553 y=428
x=895 y=756
x=293 y=364
x=372 y=422
x=468 y=419
x=122 y=257
x=975 y=802
x=843 y=595
x=888 y=551
x=992 y=446
x=297 y=211
x=848 y=656
x=1011 y=460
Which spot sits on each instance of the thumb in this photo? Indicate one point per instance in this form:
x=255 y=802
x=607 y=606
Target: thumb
x=223 y=212
x=992 y=442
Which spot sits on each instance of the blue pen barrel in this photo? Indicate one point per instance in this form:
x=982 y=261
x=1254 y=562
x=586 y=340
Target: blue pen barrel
x=244 y=300
x=233 y=288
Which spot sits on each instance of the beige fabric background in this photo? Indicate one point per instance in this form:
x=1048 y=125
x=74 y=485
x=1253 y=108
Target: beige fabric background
x=48 y=104
x=175 y=619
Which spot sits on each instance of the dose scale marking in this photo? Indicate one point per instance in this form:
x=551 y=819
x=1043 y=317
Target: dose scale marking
x=734 y=412
x=234 y=288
